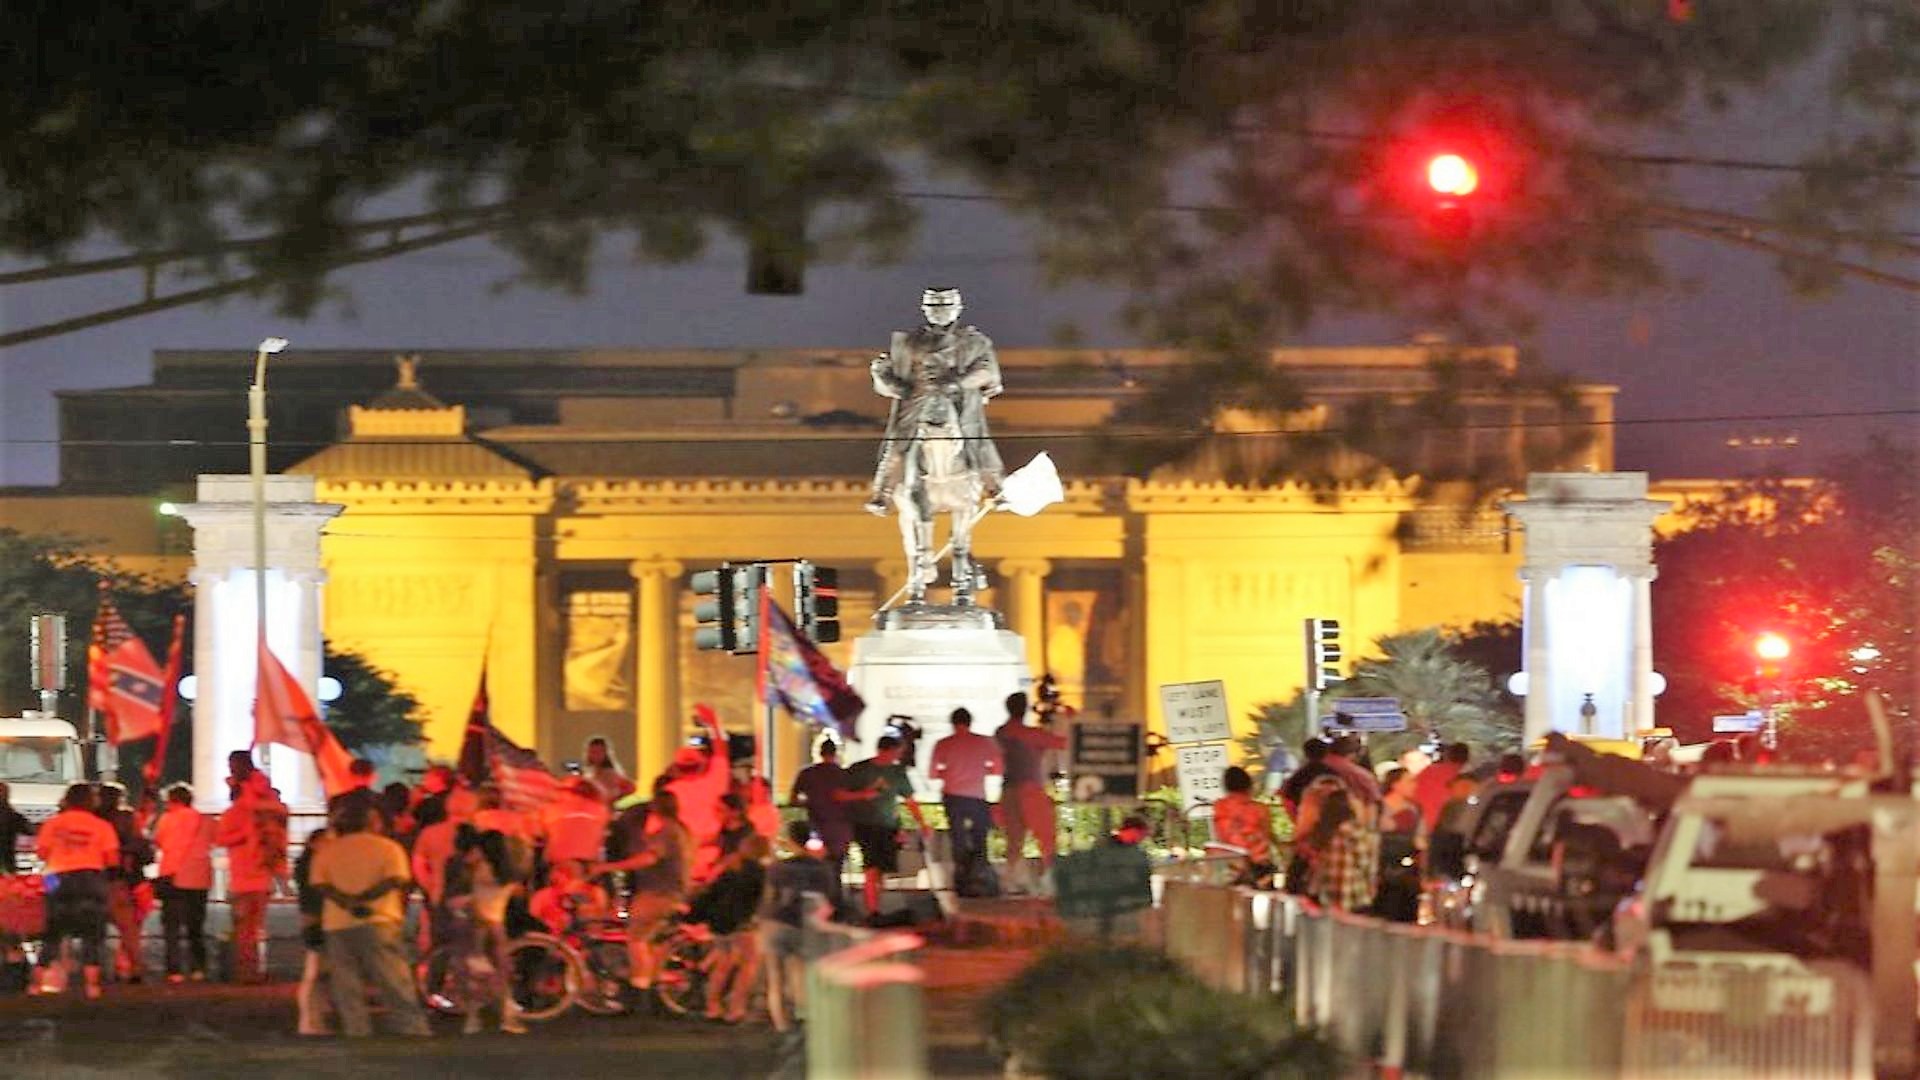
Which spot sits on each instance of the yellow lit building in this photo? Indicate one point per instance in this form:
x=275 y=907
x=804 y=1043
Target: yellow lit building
x=541 y=511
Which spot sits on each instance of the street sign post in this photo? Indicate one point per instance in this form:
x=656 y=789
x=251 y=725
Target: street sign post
x=1108 y=880
x=1368 y=714
x=1196 y=712
x=1104 y=761
x=1739 y=724
x=1199 y=769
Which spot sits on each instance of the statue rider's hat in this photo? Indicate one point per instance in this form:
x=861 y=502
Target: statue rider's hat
x=940 y=294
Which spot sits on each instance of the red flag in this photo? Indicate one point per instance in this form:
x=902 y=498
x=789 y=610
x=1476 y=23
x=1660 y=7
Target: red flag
x=168 y=702
x=123 y=683
x=284 y=714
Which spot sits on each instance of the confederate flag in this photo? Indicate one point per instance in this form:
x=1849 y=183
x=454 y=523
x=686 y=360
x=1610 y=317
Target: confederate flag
x=124 y=685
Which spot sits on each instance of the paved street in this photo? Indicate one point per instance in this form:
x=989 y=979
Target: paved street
x=211 y=1030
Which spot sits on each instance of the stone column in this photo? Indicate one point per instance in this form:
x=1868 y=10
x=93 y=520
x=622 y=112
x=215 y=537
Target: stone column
x=1640 y=690
x=1027 y=606
x=1589 y=564
x=225 y=630
x=1538 y=715
x=657 y=719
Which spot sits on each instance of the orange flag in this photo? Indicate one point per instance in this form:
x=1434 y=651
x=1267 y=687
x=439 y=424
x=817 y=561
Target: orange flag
x=282 y=713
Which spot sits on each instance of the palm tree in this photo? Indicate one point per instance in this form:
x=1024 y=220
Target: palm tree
x=1444 y=697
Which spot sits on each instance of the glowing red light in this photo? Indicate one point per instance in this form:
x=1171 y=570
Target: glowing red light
x=1451 y=174
x=1771 y=647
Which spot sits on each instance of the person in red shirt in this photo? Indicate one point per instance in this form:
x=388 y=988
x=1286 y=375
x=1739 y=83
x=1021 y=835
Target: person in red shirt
x=962 y=762
x=76 y=849
x=1025 y=805
x=1431 y=784
x=697 y=779
x=575 y=824
x=185 y=839
x=254 y=832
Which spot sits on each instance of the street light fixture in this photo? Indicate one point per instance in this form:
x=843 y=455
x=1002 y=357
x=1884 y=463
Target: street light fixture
x=1772 y=647
x=257 y=469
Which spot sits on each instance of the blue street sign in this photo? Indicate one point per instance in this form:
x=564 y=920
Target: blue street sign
x=1368 y=714
x=1739 y=723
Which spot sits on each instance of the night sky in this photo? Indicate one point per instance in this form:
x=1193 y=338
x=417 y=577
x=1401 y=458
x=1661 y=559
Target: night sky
x=1726 y=338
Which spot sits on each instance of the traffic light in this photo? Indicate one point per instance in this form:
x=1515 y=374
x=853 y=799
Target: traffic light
x=816 y=602
x=1323 y=653
x=747 y=582
x=730 y=618
x=1772 y=648
x=1451 y=181
x=714 y=618
x=1452 y=175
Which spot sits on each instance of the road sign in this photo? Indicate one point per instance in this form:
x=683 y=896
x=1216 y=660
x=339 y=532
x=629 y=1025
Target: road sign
x=1104 y=761
x=1739 y=723
x=1199 y=769
x=1109 y=880
x=1196 y=712
x=1368 y=714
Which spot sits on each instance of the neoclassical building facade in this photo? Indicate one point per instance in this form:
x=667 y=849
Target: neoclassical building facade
x=539 y=513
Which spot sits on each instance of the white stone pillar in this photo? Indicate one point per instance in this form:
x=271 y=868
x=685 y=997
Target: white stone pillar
x=1534 y=651
x=224 y=628
x=1642 y=688
x=1588 y=629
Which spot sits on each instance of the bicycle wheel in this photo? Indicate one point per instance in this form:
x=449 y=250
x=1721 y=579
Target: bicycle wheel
x=544 y=975
x=681 y=982
x=606 y=967
x=438 y=977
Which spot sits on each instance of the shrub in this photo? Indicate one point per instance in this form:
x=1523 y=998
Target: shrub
x=1122 y=1012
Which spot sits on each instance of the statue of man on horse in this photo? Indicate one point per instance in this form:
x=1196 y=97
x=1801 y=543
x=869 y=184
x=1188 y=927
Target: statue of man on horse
x=937 y=456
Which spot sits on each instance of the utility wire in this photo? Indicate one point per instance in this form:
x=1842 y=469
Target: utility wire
x=531 y=438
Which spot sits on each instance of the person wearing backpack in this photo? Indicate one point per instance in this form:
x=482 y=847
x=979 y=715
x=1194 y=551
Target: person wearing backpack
x=254 y=832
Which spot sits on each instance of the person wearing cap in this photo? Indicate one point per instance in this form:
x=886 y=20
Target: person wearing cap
x=874 y=791
x=939 y=357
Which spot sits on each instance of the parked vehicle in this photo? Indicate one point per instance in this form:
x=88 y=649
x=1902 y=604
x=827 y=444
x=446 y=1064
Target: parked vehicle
x=1551 y=859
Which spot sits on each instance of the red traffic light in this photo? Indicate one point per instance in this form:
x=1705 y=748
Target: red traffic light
x=1452 y=175
x=1772 y=647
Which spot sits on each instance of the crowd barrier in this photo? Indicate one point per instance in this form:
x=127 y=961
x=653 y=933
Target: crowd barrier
x=1429 y=1002
x=865 y=1014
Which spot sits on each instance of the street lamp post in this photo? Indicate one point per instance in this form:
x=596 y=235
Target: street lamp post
x=1771 y=650
x=257 y=469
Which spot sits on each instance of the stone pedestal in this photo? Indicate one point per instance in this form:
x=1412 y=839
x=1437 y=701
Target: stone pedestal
x=1588 y=616
x=926 y=660
x=224 y=659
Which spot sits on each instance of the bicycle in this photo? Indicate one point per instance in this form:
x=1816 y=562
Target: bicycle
x=679 y=982
x=544 y=976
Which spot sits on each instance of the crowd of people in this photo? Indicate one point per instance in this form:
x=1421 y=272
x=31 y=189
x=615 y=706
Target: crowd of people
x=462 y=865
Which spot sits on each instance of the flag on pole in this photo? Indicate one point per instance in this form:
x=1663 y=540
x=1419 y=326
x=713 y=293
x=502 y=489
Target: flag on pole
x=1032 y=488
x=486 y=755
x=284 y=714
x=797 y=675
x=123 y=681
x=169 y=701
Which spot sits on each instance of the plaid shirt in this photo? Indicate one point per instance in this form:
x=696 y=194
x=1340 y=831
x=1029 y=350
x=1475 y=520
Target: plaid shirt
x=1345 y=874
x=1246 y=824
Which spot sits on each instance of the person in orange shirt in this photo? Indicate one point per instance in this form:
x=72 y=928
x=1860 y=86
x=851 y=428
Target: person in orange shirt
x=185 y=839
x=1241 y=822
x=76 y=850
x=697 y=779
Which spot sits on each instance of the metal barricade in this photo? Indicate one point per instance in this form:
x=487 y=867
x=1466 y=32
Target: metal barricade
x=1690 y=1020
x=1204 y=930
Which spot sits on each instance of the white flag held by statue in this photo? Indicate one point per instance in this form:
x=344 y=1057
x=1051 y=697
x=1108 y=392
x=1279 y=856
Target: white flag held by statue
x=1031 y=488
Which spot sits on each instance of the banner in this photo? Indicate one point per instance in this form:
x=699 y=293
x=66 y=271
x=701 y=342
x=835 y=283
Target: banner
x=798 y=676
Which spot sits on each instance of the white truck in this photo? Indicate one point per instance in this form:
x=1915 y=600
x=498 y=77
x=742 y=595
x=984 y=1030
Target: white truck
x=39 y=758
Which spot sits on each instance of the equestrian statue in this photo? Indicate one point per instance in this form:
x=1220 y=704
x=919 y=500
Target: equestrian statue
x=937 y=456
